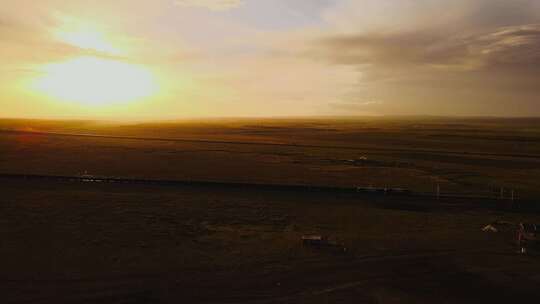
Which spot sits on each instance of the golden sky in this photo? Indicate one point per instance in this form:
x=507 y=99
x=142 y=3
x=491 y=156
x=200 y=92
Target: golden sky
x=168 y=59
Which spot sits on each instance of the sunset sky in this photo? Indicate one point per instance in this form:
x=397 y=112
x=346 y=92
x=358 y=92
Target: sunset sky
x=167 y=59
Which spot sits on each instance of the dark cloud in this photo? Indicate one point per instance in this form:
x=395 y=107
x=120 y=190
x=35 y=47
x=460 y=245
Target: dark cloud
x=511 y=47
x=486 y=61
x=507 y=47
x=385 y=49
x=500 y=13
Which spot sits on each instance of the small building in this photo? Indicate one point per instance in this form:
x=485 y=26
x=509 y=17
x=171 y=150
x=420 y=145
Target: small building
x=314 y=240
x=322 y=243
x=528 y=232
x=528 y=235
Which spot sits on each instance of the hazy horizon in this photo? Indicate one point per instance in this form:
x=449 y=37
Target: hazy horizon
x=269 y=118
x=262 y=120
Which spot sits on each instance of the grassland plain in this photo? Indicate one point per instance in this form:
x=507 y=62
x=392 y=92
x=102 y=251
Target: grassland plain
x=71 y=242
x=461 y=155
x=67 y=242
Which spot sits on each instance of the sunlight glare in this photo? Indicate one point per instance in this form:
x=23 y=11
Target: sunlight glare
x=84 y=35
x=96 y=81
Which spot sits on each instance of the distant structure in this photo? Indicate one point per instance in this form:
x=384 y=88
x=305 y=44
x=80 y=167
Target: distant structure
x=322 y=242
x=85 y=177
x=528 y=235
x=314 y=240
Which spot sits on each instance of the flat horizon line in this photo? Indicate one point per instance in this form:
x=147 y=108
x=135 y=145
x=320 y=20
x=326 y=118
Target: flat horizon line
x=277 y=118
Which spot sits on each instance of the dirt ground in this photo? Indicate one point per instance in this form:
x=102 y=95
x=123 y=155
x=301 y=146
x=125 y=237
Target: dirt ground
x=75 y=242
x=68 y=242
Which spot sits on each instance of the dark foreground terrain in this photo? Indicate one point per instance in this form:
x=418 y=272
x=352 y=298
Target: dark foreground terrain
x=67 y=241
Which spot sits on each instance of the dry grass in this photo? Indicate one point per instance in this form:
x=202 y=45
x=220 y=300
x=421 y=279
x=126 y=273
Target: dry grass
x=118 y=243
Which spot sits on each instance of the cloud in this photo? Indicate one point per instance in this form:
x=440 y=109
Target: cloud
x=215 y=5
x=308 y=57
x=352 y=16
x=454 y=34
x=506 y=47
x=426 y=56
x=469 y=71
x=517 y=46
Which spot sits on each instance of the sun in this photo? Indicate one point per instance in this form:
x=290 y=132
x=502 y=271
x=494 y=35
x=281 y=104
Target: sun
x=105 y=77
x=95 y=81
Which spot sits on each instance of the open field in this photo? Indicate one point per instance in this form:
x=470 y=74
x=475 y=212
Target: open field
x=478 y=156
x=104 y=243
x=89 y=242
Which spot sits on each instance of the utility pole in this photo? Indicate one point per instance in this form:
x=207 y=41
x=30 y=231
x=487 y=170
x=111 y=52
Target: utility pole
x=438 y=191
x=513 y=203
